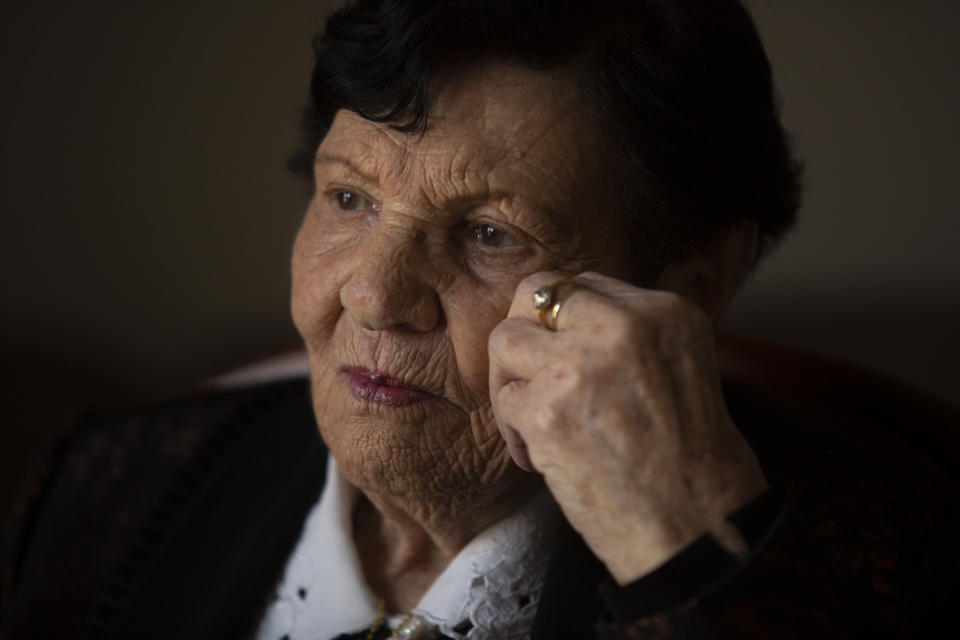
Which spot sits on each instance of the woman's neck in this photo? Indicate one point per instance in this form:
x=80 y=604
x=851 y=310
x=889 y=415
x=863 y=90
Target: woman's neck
x=404 y=545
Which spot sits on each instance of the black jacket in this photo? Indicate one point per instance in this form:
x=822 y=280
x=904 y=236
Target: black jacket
x=176 y=522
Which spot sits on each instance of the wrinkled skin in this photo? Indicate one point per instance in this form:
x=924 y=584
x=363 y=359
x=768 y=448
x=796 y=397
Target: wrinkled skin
x=622 y=413
x=409 y=257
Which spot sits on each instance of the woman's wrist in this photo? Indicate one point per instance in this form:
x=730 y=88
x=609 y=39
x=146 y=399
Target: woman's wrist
x=698 y=569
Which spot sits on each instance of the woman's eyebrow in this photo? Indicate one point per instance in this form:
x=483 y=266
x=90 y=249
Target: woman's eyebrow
x=559 y=222
x=325 y=158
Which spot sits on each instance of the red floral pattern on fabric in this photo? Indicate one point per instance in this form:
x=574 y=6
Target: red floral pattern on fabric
x=854 y=555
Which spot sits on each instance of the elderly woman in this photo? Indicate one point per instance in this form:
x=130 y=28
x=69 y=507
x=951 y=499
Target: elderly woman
x=527 y=218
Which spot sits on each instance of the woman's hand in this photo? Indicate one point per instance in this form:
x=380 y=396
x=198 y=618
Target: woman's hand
x=621 y=411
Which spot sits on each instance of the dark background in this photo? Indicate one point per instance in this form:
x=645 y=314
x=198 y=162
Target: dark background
x=147 y=214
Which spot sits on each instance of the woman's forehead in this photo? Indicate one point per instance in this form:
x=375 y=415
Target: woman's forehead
x=496 y=121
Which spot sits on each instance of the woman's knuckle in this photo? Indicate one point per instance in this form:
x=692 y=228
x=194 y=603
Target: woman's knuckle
x=551 y=420
x=504 y=337
x=498 y=341
x=629 y=328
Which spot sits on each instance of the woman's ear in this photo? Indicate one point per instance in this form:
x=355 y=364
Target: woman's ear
x=712 y=274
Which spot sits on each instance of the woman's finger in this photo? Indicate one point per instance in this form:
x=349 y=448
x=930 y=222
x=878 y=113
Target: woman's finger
x=518 y=349
x=577 y=305
x=602 y=292
x=522 y=305
x=599 y=299
x=508 y=404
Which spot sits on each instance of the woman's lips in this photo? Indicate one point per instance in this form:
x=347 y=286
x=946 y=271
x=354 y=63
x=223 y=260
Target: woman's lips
x=382 y=388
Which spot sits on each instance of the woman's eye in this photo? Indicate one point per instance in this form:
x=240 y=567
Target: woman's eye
x=493 y=237
x=348 y=201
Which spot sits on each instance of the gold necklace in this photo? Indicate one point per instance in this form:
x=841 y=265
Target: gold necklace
x=381 y=610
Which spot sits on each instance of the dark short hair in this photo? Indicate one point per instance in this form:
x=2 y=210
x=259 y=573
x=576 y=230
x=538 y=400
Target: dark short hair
x=682 y=87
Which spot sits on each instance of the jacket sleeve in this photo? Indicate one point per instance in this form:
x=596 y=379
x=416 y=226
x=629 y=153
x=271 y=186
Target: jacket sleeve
x=696 y=572
x=673 y=601
x=73 y=521
x=856 y=556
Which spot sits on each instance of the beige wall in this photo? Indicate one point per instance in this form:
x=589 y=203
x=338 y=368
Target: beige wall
x=872 y=93
x=147 y=215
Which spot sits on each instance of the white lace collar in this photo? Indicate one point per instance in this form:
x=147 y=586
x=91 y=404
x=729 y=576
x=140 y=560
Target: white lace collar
x=494 y=582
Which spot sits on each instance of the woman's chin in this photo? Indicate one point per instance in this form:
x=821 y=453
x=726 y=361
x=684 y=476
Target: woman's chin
x=412 y=458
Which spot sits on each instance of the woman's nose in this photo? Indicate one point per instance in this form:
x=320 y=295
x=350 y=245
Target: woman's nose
x=387 y=287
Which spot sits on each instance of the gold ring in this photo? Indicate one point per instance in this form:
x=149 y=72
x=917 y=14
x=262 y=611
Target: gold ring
x=548 y=300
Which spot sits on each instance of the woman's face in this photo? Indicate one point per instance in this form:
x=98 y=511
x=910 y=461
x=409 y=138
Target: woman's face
x=410 y=253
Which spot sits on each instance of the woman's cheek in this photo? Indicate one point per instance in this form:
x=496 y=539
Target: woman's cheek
x=473 y=310
x=319 y=268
